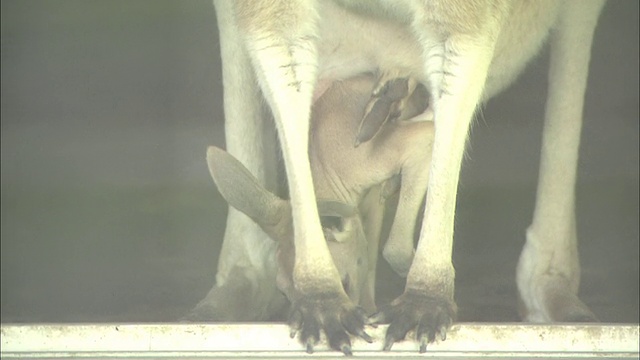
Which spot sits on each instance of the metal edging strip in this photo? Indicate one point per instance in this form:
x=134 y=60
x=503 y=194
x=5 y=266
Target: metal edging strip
x=267 y=340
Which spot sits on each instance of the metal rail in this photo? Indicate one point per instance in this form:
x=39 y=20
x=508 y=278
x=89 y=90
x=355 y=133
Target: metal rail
x=214 y=341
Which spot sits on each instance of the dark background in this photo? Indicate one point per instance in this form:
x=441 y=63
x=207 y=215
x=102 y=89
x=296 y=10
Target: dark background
x=109 y=214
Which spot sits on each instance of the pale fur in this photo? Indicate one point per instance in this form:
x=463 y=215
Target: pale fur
x=346 y=187
x=464 y=51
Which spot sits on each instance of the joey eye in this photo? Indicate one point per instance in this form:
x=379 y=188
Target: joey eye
x=345 y=284
x=332 y=223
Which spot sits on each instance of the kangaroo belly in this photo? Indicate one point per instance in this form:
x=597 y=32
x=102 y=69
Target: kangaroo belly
x=353 y=42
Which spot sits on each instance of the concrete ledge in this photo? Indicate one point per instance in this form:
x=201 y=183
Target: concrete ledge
x=210 y=341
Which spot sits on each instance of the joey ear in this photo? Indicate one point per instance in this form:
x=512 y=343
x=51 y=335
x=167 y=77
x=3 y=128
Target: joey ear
x=381 y=108
x=242 y=190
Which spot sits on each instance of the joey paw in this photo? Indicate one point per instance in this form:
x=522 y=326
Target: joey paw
x=387 y=102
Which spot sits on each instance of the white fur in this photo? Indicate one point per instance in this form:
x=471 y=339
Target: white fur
x=464 y=51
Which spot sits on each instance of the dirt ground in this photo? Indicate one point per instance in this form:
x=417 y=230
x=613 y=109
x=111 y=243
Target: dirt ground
x=108 y=212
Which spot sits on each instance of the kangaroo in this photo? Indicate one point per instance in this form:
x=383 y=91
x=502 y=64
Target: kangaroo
x=351 y=197
x=289 y=52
